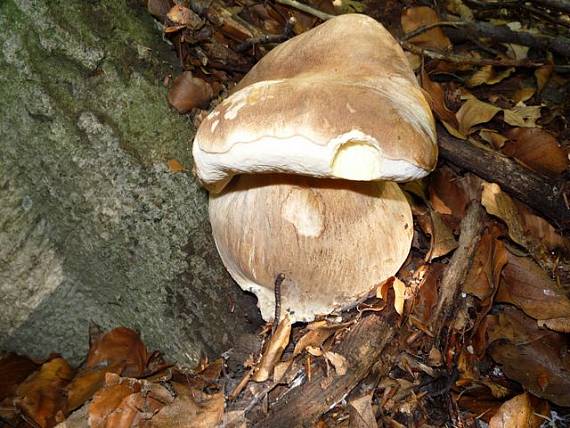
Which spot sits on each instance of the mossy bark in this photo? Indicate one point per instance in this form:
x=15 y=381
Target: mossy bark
x=93 y=225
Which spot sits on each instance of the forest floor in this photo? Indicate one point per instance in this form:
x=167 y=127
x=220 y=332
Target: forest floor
x=472 y=332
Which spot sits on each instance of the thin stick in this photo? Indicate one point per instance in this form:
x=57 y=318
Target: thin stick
x=458 y=268
x=461 y=59
x=305 y=8
x=425 y=28
x=268 y=38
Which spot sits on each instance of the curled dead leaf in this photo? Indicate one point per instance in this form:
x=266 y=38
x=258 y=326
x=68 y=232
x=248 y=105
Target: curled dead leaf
x=529 y=355
x=519 y=411
x=339 y=362
x=537 y=149
x=120 y=345
x=437 y=100
x=485 y=273
x=41 y=396
x=273 y=351
x=181 y=15
x=474 y=112
x=175 y=166
x=416 y=17
x=188 y=92
x=525 y=285
x=488 y=75
x=312 y=338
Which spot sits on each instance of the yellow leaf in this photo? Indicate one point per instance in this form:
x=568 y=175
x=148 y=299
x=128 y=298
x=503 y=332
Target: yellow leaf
x=473 y=112
x=416 y=17
x=523 y=116
x=488 y=75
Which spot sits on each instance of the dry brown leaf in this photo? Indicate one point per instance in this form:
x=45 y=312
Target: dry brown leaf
x=181 y=15
x=361 y=412
x=534 y=357
x=119 y=345
x=543 y=75
x=175 y=166
x=273 y=351
x=280 y=369
x=442 y=241
x=199 y=410
x=436 y=99
x=315 y=351
x=158 y=8
x=426 y=294
x=540 y=231
x=518 y=412
x=525 y=285
x=450 y=194
x=229 y=25
x=106 y=400
x=339 y=362
x=41 y=396
x=485 y=273
x=525 y=228
x=499 y=204
x=561 y=325
x=488 y=75
x=524 y=94
x=522 y=115
x=537 y=149
x=493 y=137
x=14 y=369
x=312 y=338
x=474 y=112
x=87 y=382
x=416 y=17
x=399 y=292
x=188 y=92
x=134 y=410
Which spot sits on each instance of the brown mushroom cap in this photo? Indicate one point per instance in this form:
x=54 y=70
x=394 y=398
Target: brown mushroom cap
x=334 y=240
x=338 y=101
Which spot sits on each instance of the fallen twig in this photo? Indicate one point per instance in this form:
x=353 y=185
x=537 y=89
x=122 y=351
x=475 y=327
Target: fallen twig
x=504 y=34
x=425 y=28
x=544 y=196
x=268 y=38
x=305 y=8
x=456 y=272
x=560 y=5
x=463 y=59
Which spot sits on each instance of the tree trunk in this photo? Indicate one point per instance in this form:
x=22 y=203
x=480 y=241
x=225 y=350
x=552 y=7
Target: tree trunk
x=93 y=225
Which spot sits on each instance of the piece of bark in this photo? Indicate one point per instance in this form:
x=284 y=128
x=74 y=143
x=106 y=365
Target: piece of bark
x=561 y=5
x=546 y=197
x=454 y=276
x=363 y=347
x=503 y=34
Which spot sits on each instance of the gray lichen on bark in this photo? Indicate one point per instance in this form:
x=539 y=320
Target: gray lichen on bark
x=93 y=226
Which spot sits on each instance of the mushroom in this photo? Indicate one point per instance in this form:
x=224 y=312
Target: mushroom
x=301 y=160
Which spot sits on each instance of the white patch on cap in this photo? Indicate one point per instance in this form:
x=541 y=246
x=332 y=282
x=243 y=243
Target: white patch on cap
x=305 y=211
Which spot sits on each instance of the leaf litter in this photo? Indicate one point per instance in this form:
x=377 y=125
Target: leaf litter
x=504 y=358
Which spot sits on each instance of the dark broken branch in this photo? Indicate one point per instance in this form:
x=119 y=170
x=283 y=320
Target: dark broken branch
x=503 y=34
x=560 y=5
x=548 y=198
x=362 y=347
x=454 y=276
x=463 y=59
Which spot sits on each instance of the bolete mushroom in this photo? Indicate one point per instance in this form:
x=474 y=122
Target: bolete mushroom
x=313 y=138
